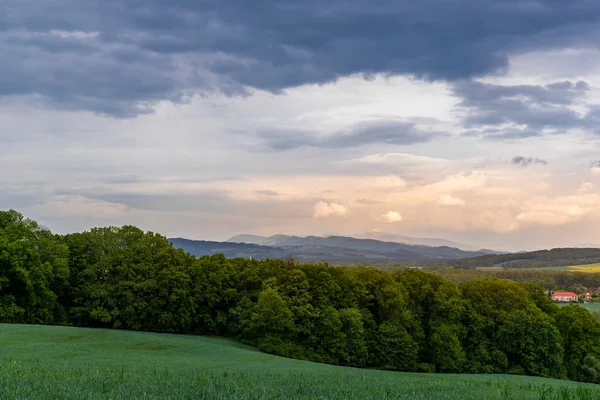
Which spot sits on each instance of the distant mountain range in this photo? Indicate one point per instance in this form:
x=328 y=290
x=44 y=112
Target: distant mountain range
x=326 y=249
x=389 y=237
x=286 y=240
x=277 y=240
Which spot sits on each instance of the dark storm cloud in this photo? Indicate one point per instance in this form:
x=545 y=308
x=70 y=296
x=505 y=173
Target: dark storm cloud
x=520 y=111
x=167 y=50
x=361 y=134
x=526 y=161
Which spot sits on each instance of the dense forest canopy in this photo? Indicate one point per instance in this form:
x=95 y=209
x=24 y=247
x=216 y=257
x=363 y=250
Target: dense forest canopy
x=406 y=320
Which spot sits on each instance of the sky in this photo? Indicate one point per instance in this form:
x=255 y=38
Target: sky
x=476 y=121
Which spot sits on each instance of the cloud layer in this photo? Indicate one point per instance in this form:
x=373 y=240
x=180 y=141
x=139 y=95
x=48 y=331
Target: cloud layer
x=518 y=111
x=526 y=161
x=118 y=58
x=364 y=133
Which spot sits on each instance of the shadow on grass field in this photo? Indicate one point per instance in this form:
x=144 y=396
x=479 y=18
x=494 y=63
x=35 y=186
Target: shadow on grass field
x=45 y=362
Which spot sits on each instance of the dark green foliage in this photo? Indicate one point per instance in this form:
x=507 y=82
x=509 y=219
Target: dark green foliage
x=395 y=348
x=580 y=331
x=590 y=369
x=33 y=270
x=531 y=343
x=125 y=278
x=271 y=317
x=355 y=351
x=408 y=320
x=327 y=336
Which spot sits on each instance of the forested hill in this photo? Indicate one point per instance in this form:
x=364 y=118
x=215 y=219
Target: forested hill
x=408 y=320
x=231 y=250
x=279 y=239
x=535 y=259
x=330 y=249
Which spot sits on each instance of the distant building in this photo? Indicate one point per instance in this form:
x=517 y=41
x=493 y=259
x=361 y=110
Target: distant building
x=587 y=296
x=564 y=297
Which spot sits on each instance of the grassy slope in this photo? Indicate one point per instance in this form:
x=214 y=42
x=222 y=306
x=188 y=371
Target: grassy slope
x=589 y=306
x=73 y=363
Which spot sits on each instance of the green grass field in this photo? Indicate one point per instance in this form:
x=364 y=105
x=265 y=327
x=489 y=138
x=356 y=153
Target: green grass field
x=592 y=306
x=589 y=306
x=38 y=362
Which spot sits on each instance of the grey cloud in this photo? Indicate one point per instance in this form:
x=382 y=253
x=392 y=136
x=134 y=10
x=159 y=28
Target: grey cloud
x=8 y=200
x=206 y=202
x=160 y=50
x=593 y=116
x=216 y=203
x=386 y=132
x=526 y=161
x=520 y=111
x=267 y=193
x=368 y=201
x=361 y=134
x=285 y=139
x=123 y=179
x=503 y=134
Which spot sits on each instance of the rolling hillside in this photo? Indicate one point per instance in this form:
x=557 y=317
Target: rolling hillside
x=560 y=257
x=315 y=248
x=283 y=240
x=48 y=362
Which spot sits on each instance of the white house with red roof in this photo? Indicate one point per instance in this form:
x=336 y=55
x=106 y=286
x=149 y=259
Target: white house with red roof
x=565 y=297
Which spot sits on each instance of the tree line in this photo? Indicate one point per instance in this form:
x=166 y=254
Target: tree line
x=406 y=320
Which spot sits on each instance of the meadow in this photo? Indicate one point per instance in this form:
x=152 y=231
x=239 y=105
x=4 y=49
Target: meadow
x=49 y=362
x=579 y=268
x=585 y=267
x=589 y=306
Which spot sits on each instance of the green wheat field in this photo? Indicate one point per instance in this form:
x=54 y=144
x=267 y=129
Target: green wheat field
x=47 y=362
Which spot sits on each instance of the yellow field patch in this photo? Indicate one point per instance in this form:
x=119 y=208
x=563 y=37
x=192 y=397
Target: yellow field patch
x=586 y=267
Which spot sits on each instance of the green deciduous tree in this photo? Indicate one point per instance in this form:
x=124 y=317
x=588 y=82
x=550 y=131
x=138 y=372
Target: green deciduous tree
x=33 y=262
x=580 y=332
x=271 y=316
x=532 y=344
x=355 y=350
x=396 y=349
